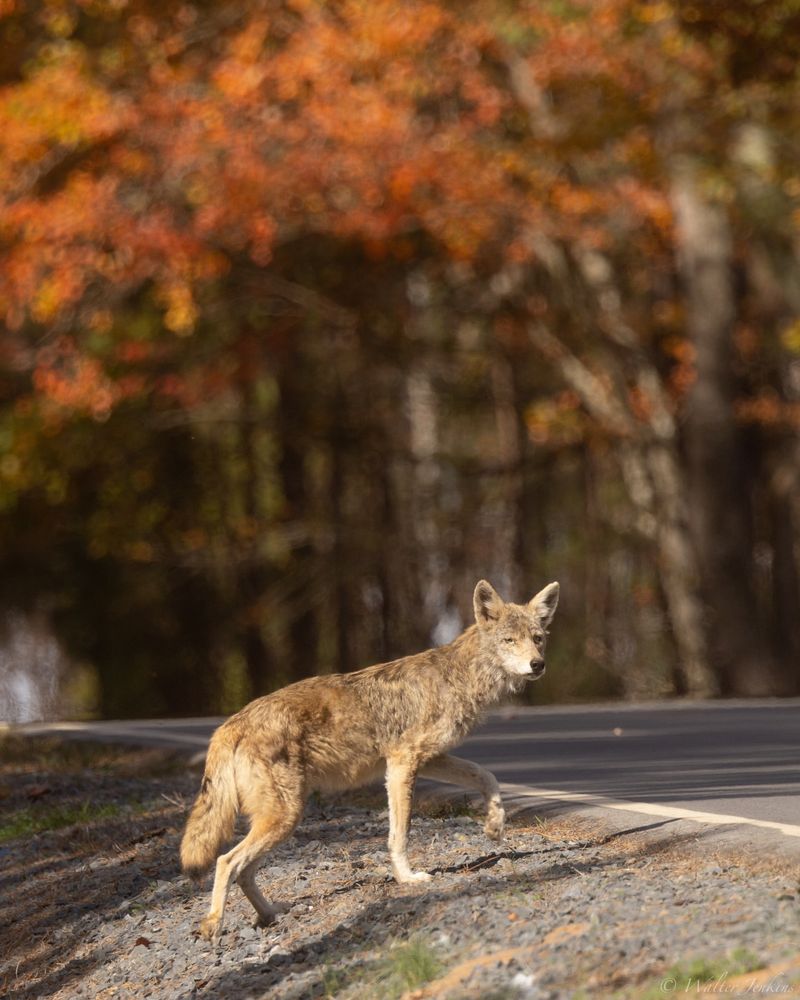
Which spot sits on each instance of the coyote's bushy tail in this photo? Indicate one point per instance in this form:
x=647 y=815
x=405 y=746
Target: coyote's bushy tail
x=213 y=814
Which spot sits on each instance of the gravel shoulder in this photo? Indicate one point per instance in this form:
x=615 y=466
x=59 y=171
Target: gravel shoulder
x=92 y=903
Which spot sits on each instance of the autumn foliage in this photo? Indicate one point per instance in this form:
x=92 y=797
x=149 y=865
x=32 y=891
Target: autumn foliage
x=277 y=212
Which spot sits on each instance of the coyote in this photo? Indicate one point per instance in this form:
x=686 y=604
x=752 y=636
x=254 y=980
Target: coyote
x=340 y=731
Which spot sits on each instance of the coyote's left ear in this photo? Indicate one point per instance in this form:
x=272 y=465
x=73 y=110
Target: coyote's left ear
x=545 y=603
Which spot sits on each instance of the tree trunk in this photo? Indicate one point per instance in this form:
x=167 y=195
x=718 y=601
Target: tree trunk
x=423 y=528
x=678 y=574
x=303 y=626
x=252 y=577
x=340 y=554
x=785 y=587
x=654 y=484
x=716 y=465
x=508 y=455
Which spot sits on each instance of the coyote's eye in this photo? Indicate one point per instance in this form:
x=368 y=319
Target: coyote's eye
x=508 y=638
x=537 y=637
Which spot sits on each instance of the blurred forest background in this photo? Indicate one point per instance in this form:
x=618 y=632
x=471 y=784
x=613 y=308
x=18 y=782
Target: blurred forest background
x=316 y=311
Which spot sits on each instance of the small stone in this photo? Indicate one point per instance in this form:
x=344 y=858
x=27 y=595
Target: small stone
x=524 y=982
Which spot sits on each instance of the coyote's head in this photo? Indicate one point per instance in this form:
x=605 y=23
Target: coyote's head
x=516 y=632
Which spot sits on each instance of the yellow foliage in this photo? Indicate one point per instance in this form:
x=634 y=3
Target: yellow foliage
x=790 y=337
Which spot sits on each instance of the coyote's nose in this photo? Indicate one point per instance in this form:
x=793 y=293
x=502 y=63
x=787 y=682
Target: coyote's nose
x=537 y=667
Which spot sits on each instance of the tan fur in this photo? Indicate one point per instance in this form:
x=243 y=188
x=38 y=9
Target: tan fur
x=335 y=732
x=213 y=814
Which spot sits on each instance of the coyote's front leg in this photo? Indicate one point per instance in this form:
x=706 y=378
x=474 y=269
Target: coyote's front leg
x=400 y=778
x=455 y=771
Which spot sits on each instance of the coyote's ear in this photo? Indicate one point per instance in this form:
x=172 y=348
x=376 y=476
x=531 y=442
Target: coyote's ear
x=545 y=603
x=487 y=602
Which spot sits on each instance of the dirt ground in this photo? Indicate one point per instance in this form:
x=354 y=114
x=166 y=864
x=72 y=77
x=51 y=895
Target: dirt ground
x=92 y=902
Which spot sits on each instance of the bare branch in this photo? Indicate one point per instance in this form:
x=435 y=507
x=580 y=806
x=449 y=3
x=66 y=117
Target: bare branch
x=596 y=396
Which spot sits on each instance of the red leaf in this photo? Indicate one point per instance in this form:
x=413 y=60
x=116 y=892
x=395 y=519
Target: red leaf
x=34 y=792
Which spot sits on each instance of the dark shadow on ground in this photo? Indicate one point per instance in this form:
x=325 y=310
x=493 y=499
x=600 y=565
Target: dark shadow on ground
x=381 y=920
x=56 y=884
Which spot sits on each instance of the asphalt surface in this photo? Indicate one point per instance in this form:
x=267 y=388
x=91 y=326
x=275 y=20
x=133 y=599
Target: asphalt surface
x=735 y=759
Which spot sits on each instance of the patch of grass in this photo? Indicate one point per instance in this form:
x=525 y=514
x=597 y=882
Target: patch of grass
x=335 y=979
x=47 y=753
x=690 y=976
x=29 y=754
x=746 y=960
x=408 y=966
x=332 y=982
x=25 y=822
x=520 y=895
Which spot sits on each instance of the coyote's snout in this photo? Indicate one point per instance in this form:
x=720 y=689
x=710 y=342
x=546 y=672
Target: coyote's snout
x=396 y=719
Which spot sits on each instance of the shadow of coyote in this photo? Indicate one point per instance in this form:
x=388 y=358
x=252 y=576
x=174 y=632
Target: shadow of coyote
x=344 y=730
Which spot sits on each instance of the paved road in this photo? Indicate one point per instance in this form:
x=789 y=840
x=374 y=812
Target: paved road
x=740 y=759
x=737 y=759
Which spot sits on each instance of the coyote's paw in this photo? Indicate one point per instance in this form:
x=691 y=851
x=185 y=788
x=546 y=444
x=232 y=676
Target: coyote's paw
x=210 y=928
x=265 y=918
x=414 y=877
x=495 y=823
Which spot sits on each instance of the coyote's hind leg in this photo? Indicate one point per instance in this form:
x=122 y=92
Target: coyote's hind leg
x=266 y=912
x=265 y=834
x=456 y=771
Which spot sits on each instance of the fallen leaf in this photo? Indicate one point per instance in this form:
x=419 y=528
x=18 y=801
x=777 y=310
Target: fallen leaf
x=148 y=835
x=455 y=976
x=36 y=791
x=559 y=934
